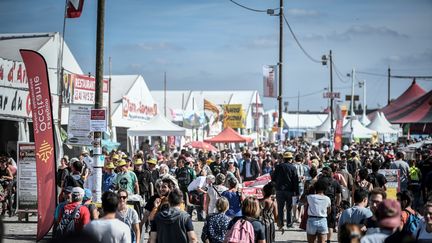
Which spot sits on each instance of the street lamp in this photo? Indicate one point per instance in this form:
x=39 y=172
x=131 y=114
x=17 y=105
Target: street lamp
x=324 y=60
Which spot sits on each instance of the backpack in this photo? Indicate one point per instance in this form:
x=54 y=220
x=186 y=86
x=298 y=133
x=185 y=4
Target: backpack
x=412 y=223
x=184 y=178
x=242 y=231
x=73 y=181
x=67 y=223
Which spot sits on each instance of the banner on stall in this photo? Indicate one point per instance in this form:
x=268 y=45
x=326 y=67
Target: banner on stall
x=80 y=89
x=234 y=116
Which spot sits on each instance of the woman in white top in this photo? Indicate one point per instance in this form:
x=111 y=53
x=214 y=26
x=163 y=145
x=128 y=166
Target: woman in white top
x=424 y=230
x=318 y=209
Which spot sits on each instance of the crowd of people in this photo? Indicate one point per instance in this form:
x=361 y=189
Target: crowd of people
x=311 y=187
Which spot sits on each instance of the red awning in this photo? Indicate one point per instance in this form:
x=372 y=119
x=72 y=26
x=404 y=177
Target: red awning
x=228 y=135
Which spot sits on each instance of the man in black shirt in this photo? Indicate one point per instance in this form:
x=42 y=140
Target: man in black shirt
x=286 y=181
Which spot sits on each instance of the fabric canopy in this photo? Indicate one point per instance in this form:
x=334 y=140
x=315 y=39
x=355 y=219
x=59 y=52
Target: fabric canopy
x=417 y=111
x=413 y=92
x=157 y=126
x=228 y=135
x=325 y=127
x=380 y=125
x=355 y=129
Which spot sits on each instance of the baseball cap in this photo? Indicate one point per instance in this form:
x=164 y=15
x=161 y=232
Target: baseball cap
x=78 y=191
x=87 y=194
x=231 y=161
x=389 y=213
x=73 y=160
x=287 y=155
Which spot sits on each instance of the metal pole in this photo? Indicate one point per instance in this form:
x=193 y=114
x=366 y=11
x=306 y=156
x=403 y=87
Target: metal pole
x=165 y=93
x=352 y=93
x=280 y=66
x=388 y=86
x=331 y=104
x=109 y=102
x=97 y=143
x=298 y=114
x=364 y=98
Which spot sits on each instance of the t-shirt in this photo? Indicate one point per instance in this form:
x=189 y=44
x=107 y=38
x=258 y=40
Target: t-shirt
x=109 y=231
x=129 y=218
x=82 y=216
x=355 y=215
x=234 y=203
x=404 y=172
x=377 y=237
x=317 y=205
x=421 y=235
x=213 y=196
x=126 y=181
x=258 y=227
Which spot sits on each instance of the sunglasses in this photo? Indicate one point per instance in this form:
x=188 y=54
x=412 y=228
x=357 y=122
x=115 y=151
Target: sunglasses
x=123 y=197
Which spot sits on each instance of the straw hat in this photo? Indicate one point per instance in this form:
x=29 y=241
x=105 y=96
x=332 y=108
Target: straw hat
x=138 y=162
x=110 y=165
x=121 y=163
x=152 y=161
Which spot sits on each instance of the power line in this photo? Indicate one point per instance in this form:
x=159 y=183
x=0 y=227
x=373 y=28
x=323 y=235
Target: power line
x=396 y=76
x=250 y=9
x=298 y=43
x=339 y=73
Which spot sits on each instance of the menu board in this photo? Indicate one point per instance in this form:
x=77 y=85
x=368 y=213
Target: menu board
x=26 y=178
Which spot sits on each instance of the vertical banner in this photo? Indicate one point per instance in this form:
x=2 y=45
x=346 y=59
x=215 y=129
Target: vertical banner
x=43 y=129
x=270 y=81
x=338 y=135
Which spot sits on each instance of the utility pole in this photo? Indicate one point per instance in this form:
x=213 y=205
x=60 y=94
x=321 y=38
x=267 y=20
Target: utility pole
x=97 y=142
x=388 y=86
x=165 y=89
x=110 y=102
x=331 y=104
x=352 y=92
x=280 y=67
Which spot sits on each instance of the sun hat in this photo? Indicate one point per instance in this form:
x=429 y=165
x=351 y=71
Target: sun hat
x=138 y=162
x=115 y=156
x=152 y=161
x=110 y=166
x=121 y=163
x=287 y=155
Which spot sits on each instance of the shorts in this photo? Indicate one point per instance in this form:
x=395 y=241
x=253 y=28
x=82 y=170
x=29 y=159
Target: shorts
x=316 y=226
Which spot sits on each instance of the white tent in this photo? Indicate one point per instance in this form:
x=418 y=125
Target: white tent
x=365 y=120
x=325 y=126
x=381 y=114
x=157 y=126
x=380 y=125
x=353 y=128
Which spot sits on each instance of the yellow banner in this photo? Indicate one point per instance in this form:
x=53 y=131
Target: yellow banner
x=234 y=116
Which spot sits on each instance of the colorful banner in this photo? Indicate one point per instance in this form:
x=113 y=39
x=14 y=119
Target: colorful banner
x=26 y=178
x=137 y=111
x=43 y=128
x=270 y=80
x=80 y=89
x=15 y=102
x=338 y=135
x=234 y=116
x=74 y=8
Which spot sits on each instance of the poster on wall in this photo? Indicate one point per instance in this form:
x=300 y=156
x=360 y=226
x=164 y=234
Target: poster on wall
x=79 y=133
x=26 y=178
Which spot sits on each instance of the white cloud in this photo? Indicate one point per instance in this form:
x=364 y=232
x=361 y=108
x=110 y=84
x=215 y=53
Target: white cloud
x=357 y=31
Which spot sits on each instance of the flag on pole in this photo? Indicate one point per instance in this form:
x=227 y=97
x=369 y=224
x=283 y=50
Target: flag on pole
x=211 y=107
x=270 y=81
x=74 y=8
x=43 y=128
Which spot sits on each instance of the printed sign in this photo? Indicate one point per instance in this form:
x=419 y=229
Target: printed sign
x=393 y=182
x=15 y=102
x=13 y=74
x=234 y=116
x=26 y=178
x=137 y=111
x=79 y=132
x=80 y=89
x=98 y=121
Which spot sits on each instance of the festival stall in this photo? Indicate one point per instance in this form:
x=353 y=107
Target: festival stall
x=384 y=130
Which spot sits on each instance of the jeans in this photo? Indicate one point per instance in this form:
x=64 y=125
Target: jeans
x=284 y=199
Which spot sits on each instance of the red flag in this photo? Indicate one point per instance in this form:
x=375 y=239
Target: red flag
x=74 y=8
x=39 y=92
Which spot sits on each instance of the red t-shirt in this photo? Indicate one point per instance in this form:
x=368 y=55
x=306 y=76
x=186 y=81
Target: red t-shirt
x=82 y=217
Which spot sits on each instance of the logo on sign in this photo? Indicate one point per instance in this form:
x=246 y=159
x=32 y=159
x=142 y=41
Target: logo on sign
x=45 y=151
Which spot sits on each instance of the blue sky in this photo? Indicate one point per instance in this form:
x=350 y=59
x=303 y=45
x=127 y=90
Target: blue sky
x=217 y=45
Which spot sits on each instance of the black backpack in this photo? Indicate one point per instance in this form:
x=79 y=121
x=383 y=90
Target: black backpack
x=184 y=178
x=71 y=181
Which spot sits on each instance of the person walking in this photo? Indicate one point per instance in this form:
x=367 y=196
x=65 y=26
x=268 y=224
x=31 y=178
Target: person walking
x=403 y=168
x=319 y=206
x=109 y=229
x=129 y=216
x=214 y=192
x=269 y=212
x=287 y=185
x=358 y=214
x=423 y=233
x=216 y=226
x=173 y=219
